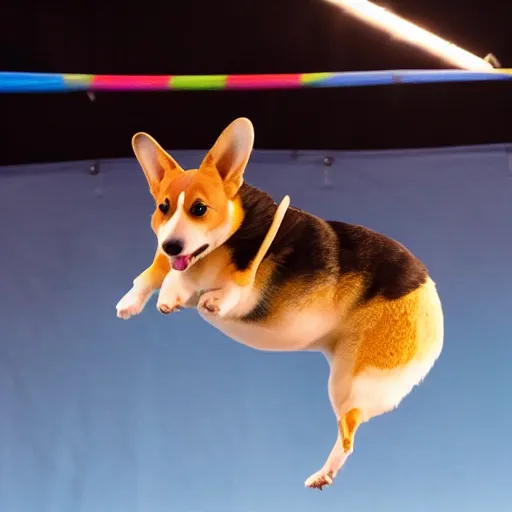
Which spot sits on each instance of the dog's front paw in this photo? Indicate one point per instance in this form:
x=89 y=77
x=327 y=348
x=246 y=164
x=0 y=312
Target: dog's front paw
x=210 y=303
x=131 y=304
x=167 y=309
x=319 y=479
x=218 y=302
x=169 y=300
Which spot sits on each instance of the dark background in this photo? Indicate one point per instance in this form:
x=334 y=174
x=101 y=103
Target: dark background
x=246 y=36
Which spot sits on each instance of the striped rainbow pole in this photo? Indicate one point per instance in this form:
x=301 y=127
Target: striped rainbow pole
x=15 y=82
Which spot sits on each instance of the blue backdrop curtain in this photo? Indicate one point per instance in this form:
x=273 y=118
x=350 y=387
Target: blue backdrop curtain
x=163 y=414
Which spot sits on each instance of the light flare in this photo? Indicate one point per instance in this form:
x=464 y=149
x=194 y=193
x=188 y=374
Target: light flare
x=402 y=29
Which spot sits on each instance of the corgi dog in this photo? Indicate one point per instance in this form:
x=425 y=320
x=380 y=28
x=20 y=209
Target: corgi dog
x=278 y=278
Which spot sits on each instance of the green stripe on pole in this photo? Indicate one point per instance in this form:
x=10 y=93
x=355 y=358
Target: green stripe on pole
x=195 y=82
x=308 y=78
x=78 y=79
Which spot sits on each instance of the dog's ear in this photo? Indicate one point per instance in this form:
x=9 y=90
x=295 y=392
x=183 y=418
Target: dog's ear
x=230 y=154
x=154 y=160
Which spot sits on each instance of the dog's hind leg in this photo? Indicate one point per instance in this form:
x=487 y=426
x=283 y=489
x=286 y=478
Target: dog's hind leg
x=349 y=418
x=340 y=452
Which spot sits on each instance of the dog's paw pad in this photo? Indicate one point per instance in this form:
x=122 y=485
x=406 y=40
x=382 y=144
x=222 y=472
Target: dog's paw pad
x=318 y=480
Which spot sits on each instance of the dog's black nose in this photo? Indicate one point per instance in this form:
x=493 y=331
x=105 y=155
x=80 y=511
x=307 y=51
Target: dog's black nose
x=172 y=247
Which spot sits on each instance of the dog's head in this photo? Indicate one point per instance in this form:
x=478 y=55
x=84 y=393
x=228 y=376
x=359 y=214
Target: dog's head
x=196 y=210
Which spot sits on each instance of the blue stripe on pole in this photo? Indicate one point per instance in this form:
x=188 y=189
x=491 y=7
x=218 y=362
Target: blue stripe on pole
x=32 y=82
x=418 y=77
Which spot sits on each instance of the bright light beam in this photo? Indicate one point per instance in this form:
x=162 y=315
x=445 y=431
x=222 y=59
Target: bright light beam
x=403 y=29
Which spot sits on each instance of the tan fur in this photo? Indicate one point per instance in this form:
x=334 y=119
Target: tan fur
x=386 y=333
x=348 y=426
x=378 y=349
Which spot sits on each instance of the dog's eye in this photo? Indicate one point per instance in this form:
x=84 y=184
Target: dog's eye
x=198 y=209
x=164 y=207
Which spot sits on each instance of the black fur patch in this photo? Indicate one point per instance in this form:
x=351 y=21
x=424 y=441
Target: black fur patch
x=259 y=210
x=390 y=270
x=307 y=247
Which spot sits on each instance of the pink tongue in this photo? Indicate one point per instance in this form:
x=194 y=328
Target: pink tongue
x=180 y=262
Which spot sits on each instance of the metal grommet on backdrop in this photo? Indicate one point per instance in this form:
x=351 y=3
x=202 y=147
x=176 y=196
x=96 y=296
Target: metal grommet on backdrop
x=94 y=169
